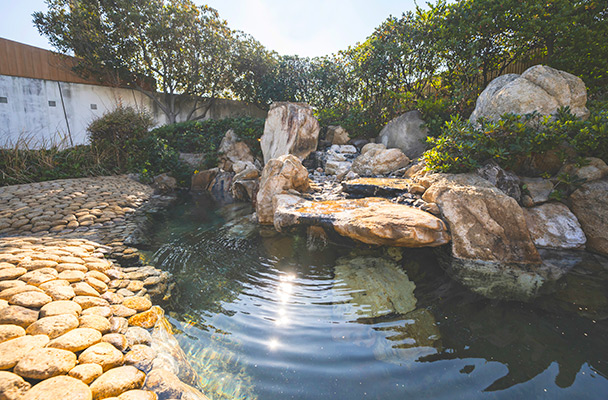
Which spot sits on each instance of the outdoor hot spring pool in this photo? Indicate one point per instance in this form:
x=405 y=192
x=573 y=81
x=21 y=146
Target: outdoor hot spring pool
x=261 y=316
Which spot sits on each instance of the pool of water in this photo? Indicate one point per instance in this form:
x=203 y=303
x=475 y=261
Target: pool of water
x=269 y=316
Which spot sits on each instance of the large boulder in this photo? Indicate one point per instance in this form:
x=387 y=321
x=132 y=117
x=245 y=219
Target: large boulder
x=540 y=88
x=492 y=251
x=232 y=151
x=590 y=205
x=407 y=133
x=376 y=159
x=369 y=220
x=279 y=176
x=290 y=128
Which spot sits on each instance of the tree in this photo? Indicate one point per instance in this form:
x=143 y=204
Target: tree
x=186 y=50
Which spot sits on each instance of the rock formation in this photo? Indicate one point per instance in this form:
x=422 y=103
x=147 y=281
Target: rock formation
x=279 y=176
x=290 y=128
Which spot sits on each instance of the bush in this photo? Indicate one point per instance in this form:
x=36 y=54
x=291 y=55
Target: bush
x=151 y=156
x=513 y=140
x=114 y=130
x=205 y=136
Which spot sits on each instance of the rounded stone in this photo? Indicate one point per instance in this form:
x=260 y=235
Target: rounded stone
x=112 y=298
x=71 y=267
x=121 y=311
x=14 y=350
x=97 y=284
x=119 y=325
x=99 y=275
x=76 y=340
x=60 y=307
x=11 y=273
x=71 y=275
x=11 y=284
x=53 y=326
x=117 y=340
x=40 y=276
x=30 y=299
x=84 y=289
x=117 y=381
x=103 y=311
x=141 y=357
x=96 y=322
x=8 y=332
x=103 y=354
x=136 y=335
x=38 y=264
x=138 y=395
x=146 y=319
x=59 y=387
x=45 y=363
x=135 y=286
x=8 y=293
x=87 y=373
x=60 y=291
x=90 y=301
x=12 y=386
x=17 y=315
x=139 y=304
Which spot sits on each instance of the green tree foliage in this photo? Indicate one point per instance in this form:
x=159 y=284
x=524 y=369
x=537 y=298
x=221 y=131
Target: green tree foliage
x=183 y=48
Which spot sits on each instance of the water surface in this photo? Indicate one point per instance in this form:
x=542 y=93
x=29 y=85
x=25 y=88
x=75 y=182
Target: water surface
x=264 y=316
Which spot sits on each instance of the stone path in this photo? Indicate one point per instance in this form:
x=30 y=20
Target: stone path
x=74 y=322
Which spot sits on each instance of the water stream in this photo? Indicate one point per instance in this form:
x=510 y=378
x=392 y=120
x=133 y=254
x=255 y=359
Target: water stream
x=262 y=316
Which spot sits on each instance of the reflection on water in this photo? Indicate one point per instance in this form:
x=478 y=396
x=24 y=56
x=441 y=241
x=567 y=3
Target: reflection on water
x=261 y=316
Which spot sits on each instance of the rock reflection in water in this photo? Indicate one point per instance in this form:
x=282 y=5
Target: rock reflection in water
x=372 y=289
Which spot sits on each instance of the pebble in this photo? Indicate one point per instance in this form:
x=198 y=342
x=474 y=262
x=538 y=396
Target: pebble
x=90 y=301
x=71 y=275
x=146 y=319
x=30 y=299
x=76 y=340
x=117 y=381
x=103 y=354
x=84 y=289
x=141 y=357
x=117 y=340
x=139 y=304
x=14 y=350
x=96 y=322
x=12 y=386
x=11 y=273
x=59 y=387
x=119 y=325
x=8 y=332
x=120 y=310
x=138 y=395
x=53 y=326
x=60 y=307
x=45 y=363
x=136 y=335
x=87 y=373
x=17 y=315
x=103 y=311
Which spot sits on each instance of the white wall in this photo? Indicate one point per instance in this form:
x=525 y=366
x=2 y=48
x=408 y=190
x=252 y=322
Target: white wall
x=28 y=116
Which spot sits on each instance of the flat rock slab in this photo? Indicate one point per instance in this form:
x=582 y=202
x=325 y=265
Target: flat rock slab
x=369 y=220
x=370 y=187
x=14 y=350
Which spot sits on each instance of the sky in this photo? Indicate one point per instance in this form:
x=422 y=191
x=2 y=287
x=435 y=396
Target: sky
x=306 y=28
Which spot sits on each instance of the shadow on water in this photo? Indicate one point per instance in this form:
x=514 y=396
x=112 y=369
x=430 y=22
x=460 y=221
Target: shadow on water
x=262 y=316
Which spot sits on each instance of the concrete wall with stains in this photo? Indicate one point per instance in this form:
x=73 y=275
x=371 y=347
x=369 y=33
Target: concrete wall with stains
x=41 y=113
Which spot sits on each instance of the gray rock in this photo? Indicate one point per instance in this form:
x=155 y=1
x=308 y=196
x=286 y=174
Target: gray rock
x=407 y=133
x=506 y=181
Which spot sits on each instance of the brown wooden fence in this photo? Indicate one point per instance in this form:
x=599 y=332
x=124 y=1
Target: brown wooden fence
x=18 y=59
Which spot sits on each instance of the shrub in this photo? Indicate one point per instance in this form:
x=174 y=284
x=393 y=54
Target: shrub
x=113 y=131
x=151 y=156
x=205 y=136
x=513 y=140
